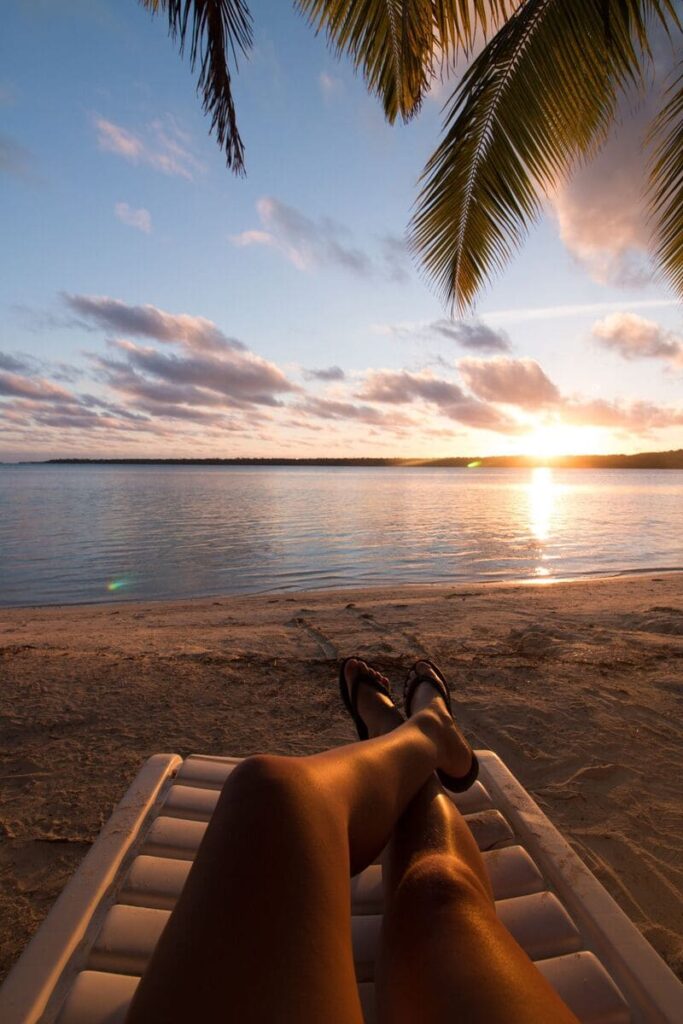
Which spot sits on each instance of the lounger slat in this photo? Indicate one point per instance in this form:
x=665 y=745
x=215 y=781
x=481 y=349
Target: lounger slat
x=512 y=872
x=190 y=802
x=367 y=896
x=180 y=837
x=156 y=882
x=195 y=796
x=100 y=998
x=211 y=772
x=490 y=830
x=127 y=939
x=540 y=924
x=205 y=772
x=474 y=799
x=587 y=989
x=97 y=998
x=129 y=934
x=174 y=837
x=366 y=994
x=365 y=939
x=580 y=979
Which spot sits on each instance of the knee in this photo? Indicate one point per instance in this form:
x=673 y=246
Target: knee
x=276 y=790
x=268 y=778
x=439 y=882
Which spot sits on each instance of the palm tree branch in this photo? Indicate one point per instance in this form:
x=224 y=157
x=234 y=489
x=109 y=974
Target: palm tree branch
x=390 y=41
x=539 y=97
x=666 y=183
x=218 y=30
x=395 y=43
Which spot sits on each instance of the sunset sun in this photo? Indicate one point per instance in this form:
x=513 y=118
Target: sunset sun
x=548 y=441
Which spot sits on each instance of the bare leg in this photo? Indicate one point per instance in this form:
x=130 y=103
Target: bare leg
x=262 y=930
x=444 y=954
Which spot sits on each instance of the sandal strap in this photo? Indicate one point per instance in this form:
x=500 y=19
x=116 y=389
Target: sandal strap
x=349 y=694
x=376 y=684
x=414 y=678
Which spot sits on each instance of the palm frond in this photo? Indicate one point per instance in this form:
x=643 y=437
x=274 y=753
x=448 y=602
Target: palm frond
x=666 y=184
x=457 y=21
x=392 y=41
x=218 y=31
x=540 y=96
x=395 y=42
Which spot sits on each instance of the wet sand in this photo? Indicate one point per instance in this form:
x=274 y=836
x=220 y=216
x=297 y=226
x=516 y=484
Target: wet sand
x=578 y=686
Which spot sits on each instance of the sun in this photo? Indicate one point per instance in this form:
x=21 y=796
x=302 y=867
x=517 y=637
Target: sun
x=547 y=441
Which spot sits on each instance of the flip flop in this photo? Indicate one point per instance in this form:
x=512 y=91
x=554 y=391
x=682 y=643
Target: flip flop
x=349 y=699
x=456 y=784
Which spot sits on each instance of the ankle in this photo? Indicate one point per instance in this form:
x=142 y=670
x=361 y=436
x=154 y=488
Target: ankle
x=432 y=723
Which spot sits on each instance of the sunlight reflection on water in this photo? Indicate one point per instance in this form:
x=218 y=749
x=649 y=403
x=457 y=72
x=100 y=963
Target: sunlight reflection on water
x=73 y=533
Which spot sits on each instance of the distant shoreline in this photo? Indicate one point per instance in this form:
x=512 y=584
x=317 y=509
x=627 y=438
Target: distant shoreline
x=641 y=460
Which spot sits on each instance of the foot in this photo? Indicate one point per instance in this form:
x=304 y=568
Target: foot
x=377 y=710
x=456 y=756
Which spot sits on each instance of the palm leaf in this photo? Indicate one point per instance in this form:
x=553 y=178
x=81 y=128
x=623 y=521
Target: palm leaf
x=395 y=42
x=540 y=96
x=218 y=30
x=666 y=180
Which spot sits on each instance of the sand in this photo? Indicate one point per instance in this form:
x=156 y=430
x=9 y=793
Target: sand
x=576 y=685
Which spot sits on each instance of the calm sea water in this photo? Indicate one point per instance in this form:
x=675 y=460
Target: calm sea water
x=73 y=533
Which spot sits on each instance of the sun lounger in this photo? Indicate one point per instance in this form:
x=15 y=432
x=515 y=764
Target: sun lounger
x=83 y=964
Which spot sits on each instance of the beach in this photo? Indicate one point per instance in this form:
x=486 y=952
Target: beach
x=576 y=685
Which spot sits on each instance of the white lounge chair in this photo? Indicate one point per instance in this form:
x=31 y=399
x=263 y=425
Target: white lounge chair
x=84 y=963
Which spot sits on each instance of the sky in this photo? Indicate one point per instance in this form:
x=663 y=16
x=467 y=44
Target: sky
x=152 y=304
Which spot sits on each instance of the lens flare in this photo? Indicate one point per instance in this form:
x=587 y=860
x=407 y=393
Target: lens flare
x=115 y=585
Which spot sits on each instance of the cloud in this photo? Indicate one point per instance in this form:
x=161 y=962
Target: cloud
x=195 y=332
x=634 y=337
x=328 y=408
x=477 y=336
x=524 y=384
x=332 y=373
x=305 y=243
x=311 y=244
x=14 y=385
x=11 y=363
x=533 y=313
x=330 y=86
x=194 y=387
x=519 y=382
x=140 y=219
x=165 y=147
x=240 y=377
x=400 y=386
x=473 y=335
x=602 y=211
x=396 y=258
x=15 y=159
x=633 y=417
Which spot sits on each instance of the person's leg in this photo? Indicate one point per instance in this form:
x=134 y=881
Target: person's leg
x=262 y=930
x=444 y=954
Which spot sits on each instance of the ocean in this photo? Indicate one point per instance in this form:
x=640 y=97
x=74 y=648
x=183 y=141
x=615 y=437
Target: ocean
x=71 y=534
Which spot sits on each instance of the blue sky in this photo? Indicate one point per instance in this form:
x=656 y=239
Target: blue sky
x=125 y=235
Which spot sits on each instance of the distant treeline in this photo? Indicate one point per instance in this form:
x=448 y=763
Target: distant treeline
x=642 y=460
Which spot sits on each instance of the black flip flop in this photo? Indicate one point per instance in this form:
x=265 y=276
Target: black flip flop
x=456 y=784
x=349 y=699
